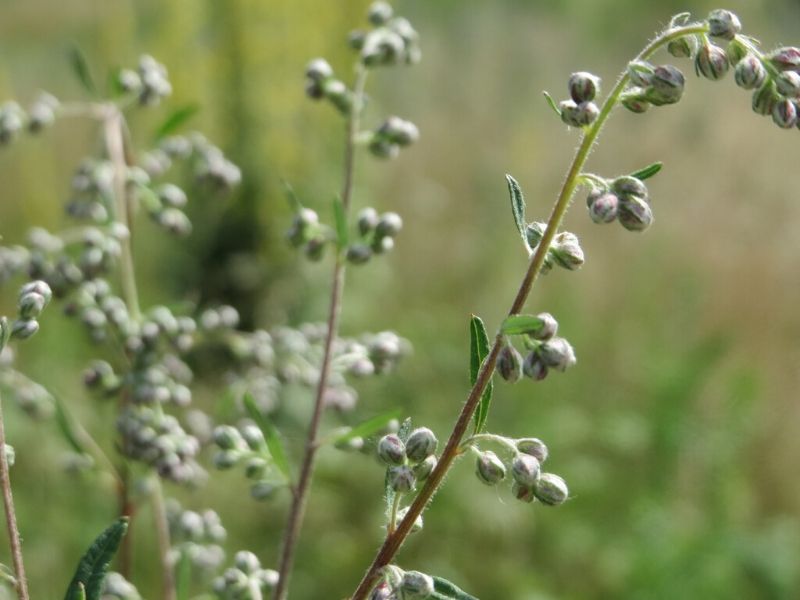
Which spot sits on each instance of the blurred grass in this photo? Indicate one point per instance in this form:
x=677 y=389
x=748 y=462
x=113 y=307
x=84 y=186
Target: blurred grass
x=676 y=432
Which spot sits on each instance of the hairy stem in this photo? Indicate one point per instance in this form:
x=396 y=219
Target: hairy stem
x=11 y=518
x=300 y=491
x=393 y=542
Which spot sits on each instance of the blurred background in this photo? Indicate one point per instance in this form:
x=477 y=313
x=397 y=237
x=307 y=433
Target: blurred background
x=677 y=430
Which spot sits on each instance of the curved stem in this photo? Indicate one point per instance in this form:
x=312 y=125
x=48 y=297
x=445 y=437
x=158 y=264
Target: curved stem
x=300 y=493
x=451 y=451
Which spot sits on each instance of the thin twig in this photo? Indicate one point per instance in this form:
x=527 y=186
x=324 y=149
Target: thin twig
x=164 y=543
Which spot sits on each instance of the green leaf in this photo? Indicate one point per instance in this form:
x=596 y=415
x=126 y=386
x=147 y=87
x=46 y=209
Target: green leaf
x=447 y=589
x=174 y=120
x=274 y=442
x=64 y=422
x=341 y=224
x=478 y=349
x=368 y=427
x=552 y=103
x=648 y=171
x=81 y=67
x=520 y=324
x=518 y=208
x=92 y=567
x=183 y=578
x=291 y=197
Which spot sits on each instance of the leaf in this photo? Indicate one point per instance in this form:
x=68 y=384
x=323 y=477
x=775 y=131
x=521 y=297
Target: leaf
x=368 y=427
x=648 y=171
x=274 y=443
x=92 y=567
x=183 y=577
x=291 y=197
x=388 y=492
x=552 y=103
x=478 y=349
x=447 y=589
x=520 y=324
x=518 y=208
x=174 y=120
x=64 y=422
x=341 y=224
x=81 y=67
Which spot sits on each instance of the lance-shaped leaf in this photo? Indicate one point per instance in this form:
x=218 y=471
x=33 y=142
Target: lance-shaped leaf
x=175 y=119
x=518 y=208
x=81 y=67
x=521 y=324
x=478 y=349
x=271 y=436
x=647 y=171
x=368 y=427
x=447 y=589
x=93 y=566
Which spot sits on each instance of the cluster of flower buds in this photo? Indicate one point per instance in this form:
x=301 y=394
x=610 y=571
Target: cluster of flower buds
x=307 y=232
x=33 y=298
x=13 y=119
x=658 y=85
x=321 y=83
x=397 y=584
x=31 y=397
x=377 y=233
x=392 y=40
x=157 y=439
x=408 y=460
x=164 y=205
x=624 y=199
x=197 y=536
x=580 y=110
x=13 y=261
x=116 y=587
x=245 y=445
x=529 y=481
x=394 y=133
x=149 y=82
x=546 y=352
x=565 y=251
x=245 y=580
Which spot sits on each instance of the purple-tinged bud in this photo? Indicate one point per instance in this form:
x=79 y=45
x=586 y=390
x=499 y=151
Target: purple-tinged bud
x=627 y=185
x=583 y=86
x=634 y=100
x=723 y=24
x=785 y=59
x=551 y=489
x=640 y=73
x=587 y=113
x=711 y=62
x=358 y=254
x=765 y=98
x=382 y=592
x=392 y=450
x=788 y=84
x=784 y=113
x=603 y=207
x=635 y=213
x=680 y=48
x=425 y=468
x=318 y=70
x=534 y=367
x=525 y=469
x=509 y=364
x=523 y=493
x=533 y=446
x=416 y=585
x=749 y=72
x=489 y=468
x=666 y=86
x=401 y=479
x=567 y=252
x=557 y=354
x=421 y=443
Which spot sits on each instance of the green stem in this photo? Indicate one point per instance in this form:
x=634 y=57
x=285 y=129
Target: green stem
x=451 y=451
x=393 y=514
x=489 y=437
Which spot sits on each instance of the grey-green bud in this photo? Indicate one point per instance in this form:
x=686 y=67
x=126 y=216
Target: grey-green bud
x=765 y=98
x=416 y=585
x=784 y=113
x=358 y=254
x=635 y=100
x=367 y=220
x=423 y=469
x=389 y=225
x=37 y=287
x=525 y=469
x=31 y=305
x=22 y=329
x=723 y=24
x=566 y=251
x=788 y=84
x=228 y=437
x=379 y=13
x=263 y=490
x=749 y=72
x=246 y=562
x=11 y=455
x=551 y=489
x=666 y=85
x=628 y=185
x=557 y=353
x=421 y=443
x=583 y=86
x=533 y=446
x=489 y=468
x=711 y=62
x=635 y=213
x=603 y=206
x=534 y=367
x=523 y=493
x=318 y=70
x=401 y=478
x=391 y=450
x=680 y=48
x=534 y=232
x=509 y=364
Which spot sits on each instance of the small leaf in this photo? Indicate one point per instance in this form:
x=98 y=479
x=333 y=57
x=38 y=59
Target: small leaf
x=478 y=349
x=341 y=224
x=405 y=429
x=520 y=324
x=274 y=442
x=81 y=68
x=64 y=422
x=368 y=427
x=648 y=171
x=291 y=197
x=388 y=492
x=552 y=103
x=518 y=208
x=679 y=19
x=175 y=120
x=447 y=589
x=92 y=567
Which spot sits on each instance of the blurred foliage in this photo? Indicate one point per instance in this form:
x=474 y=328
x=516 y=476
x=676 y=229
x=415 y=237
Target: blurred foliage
x=677 y=430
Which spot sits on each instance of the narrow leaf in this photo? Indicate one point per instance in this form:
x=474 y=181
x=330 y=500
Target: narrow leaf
x=341 y=224
x=65 y=425
x=92 y=567
x=81 y=67
x=520 y=324
x=518 y=208
x=552 y=103
x=648 y=171
x=479 y=348
x=183 y=577
x=405 y=429
x=175 y=119
x=274 y=442
x=447 y=589
x=291 y=197
x=368 y=427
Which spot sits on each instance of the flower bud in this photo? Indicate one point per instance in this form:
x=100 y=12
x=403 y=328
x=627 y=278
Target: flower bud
x=784 y=113
x=723 y=24
x=358 y=254
x=389 y=225
x=788 y=84
x=489 y=468
x=418 y=522
x=557 y=354
x=736 y=51
x=534 y=367
x=37 y=287
x=263 y=490
x=547 y=329
x=379 y=13
x=392 y=450
x=382 y=245
x=711 y=62
x=401 y=478
x=785 y=59
x=635 y=214
x=367 y=220
x=640 y=73
x=416 y=585
x=228 y=437
x=603 y=206
x=226 y=459
x=421 y=443
x=680 y=48
x=246 y=562
x=256 y=468
x=749 y=72
x=666 y=86
x=253 y=436
x=634 y=100
x=509 y=364
x=382 y=592
x=172 y=195
x=22 y=329
x=318 y=70
x=534 y=232
x=628 y=185
x=578 y=115
x=338 y=95
x=523 y=493
x=31 y=305
x=567 y=252
x=525 y=469
x=765 y=98
x=551 y=489
x=533 y=446
x=583 y=86
x=425 y=468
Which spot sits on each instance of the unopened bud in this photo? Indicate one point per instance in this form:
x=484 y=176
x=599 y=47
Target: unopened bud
x=358 y=254
x=319 y=70
x=367 y=220
x=416 y=585
x=711 y=62
x=263 y=490
x=534 y=367
x=391 y=450
x=749 y=72
x=635 y=214
x=425 y=468
x=228 y=437
x=31 y=305
x=421 y=443
x=418 y=522
x=548 y=327
x=629 y=186
x=22 y=329
x=784 y=113
x=680 y=48
x=534 y=232
x=723 y=24
x=379 y=13
x=525 y=469
x=583 y=86
x=603 y=206
x=389 y=225
x=567 y=252
x=401 y=478
x=578 y=115
x=788 y=84
x=533 y=446
x=509 y=364
x=551 y=489
x=557 y=354
x=785 y=59
x=489 y=468
x=765 y=98
x=246 y=562
x=634 y=100
x=11 y=455
x=523 y=493
x=37 y=287
x=666 y=86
